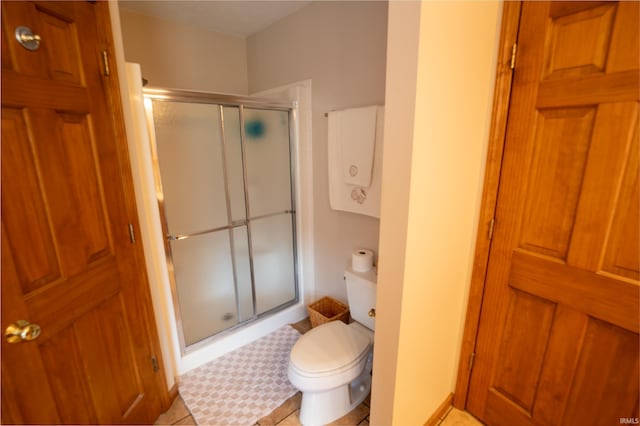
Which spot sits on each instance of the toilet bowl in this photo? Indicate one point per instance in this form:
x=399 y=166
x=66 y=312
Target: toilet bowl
x=331 y=363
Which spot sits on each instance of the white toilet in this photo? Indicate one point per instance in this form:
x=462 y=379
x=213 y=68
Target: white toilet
x=331 y=364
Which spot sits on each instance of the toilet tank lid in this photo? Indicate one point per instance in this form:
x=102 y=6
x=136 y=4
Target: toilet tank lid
x=329 y=347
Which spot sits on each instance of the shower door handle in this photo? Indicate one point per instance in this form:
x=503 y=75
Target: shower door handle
x=234 y=224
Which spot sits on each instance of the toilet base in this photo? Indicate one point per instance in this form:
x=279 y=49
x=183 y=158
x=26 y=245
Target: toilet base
x=319 y=408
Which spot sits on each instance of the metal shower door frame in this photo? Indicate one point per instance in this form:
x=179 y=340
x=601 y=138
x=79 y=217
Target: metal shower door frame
x=221 y=101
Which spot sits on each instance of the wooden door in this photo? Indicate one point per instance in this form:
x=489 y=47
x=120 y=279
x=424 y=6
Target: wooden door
x=558 y=335
x=68 y=263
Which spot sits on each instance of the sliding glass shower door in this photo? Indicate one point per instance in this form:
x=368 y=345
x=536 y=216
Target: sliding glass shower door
x=229 y=219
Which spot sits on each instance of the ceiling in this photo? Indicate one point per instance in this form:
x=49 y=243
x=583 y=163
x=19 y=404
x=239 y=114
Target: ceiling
x=240 y=18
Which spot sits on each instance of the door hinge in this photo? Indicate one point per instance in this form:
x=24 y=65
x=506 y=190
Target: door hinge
x=132 y=235
x=154 y=363
x=105 y=63
x=471 y=358
x=513 y=55
x=492 y=224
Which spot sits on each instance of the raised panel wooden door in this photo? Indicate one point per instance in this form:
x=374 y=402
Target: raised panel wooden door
x=558 y=336
x=68 y=263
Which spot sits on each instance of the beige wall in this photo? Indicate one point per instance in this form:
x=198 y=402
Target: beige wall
x=341 y=47
x=440 y=76
x=179 y=56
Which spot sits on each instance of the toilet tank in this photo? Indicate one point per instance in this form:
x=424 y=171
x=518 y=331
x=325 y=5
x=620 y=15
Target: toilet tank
x=361 y=294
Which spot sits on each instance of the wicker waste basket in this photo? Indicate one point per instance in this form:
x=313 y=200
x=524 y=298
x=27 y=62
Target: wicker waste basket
x=327 y=309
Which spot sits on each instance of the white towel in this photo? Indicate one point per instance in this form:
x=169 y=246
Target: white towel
x=361 y=199
x=355 y=133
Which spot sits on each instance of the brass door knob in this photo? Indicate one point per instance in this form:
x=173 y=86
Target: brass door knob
x=22 y=331
x=372 y=312
x=27 y=38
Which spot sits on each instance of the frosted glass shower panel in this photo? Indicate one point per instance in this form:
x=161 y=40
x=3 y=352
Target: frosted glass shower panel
x=190 y=157
x=243 y=273
x=273 y=261
x=235 y=171
x=206 y=293
x=225 y=172
x=267 y=161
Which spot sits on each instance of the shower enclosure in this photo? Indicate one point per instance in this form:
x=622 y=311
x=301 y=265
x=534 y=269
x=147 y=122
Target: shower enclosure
x=225 y=189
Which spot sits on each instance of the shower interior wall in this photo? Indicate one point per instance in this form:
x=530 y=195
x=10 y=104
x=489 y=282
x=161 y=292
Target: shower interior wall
x=340 y=47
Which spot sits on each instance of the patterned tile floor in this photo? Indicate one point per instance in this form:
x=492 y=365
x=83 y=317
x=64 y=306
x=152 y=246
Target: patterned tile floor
x=288 y=413
x=243 y=385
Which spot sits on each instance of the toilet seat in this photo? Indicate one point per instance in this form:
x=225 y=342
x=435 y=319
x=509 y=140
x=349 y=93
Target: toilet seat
x=328 y=350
